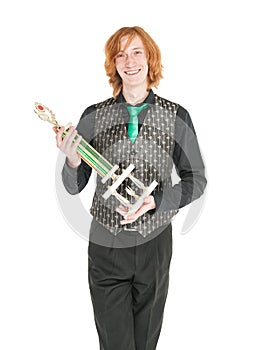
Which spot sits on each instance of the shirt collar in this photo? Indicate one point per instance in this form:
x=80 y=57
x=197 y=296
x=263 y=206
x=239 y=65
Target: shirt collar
x=150 y=99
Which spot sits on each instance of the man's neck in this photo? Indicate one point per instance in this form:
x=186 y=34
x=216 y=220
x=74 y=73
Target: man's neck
x=135 y=96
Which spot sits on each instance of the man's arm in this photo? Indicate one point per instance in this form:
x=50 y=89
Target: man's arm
x=75 y=179
x=189 y=166
x=75 y=172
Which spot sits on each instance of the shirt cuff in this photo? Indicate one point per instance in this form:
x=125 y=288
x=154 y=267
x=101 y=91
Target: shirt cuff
x=69 y=170
x=158 y=198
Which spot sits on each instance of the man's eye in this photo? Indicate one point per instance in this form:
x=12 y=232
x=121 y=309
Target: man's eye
x=119 y=55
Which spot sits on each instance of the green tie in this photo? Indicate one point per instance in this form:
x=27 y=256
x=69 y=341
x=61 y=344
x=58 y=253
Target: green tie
x=133 y=120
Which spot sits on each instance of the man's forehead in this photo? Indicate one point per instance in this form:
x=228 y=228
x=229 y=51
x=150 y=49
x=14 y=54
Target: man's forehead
x=128 y=42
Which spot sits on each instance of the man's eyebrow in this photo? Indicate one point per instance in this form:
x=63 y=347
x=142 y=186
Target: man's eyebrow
x=133 y=48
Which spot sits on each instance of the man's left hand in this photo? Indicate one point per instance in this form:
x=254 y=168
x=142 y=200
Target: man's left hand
x=148 y=204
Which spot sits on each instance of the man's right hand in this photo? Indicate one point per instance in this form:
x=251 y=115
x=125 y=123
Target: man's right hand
x=68 y=145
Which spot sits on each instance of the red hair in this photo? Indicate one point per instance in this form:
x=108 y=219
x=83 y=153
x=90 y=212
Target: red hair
x=112 y=47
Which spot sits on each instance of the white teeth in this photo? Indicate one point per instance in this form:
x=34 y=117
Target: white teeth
x=132 y=72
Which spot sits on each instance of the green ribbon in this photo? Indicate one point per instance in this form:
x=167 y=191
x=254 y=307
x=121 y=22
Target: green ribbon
x=133 y=120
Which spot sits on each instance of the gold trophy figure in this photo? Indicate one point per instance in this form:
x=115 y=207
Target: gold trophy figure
x=106 y=170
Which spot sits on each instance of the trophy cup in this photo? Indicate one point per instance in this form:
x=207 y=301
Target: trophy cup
x=106 y=170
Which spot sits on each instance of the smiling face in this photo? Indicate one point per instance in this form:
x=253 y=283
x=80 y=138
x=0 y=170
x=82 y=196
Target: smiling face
x=131 y=63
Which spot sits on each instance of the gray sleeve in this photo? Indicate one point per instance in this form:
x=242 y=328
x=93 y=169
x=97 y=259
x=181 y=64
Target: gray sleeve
x=189 y=166
x=75 y=179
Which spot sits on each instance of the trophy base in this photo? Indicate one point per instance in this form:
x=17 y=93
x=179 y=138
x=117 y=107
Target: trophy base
x=135 y=206
x=118 y=182
x=112 y=190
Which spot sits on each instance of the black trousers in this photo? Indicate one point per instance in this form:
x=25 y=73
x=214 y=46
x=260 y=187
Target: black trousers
x=128 y=288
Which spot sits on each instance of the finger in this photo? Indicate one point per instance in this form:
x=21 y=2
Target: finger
x=60 y=131
x=148 y=200
x=148 y=204
x=142 y=210
x=65 y=143
x=73 y=145
x=59 y=136
x=122 y=209
x=69 y=137
x=124 y=222
x=69 y=142
x=77 y=142
x=133 y=217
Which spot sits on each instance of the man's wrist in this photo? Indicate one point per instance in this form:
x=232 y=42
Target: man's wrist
x=73 y=163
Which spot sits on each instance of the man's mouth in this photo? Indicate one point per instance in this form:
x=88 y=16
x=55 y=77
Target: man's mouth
x=132 y=72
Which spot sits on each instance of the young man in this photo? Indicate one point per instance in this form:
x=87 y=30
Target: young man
x=129 y=256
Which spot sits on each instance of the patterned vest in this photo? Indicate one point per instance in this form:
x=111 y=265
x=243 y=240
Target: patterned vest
x=151 y=154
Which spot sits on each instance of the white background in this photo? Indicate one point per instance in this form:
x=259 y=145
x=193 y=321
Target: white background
x=52 y=52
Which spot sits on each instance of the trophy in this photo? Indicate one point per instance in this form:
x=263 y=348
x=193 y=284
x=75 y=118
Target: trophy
x=106 y=170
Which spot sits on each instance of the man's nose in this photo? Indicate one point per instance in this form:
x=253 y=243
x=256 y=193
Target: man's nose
x=130 y=61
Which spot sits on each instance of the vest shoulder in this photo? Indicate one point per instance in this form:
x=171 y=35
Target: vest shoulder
x=167 y=104
x=108 y=102
x=163 y=102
